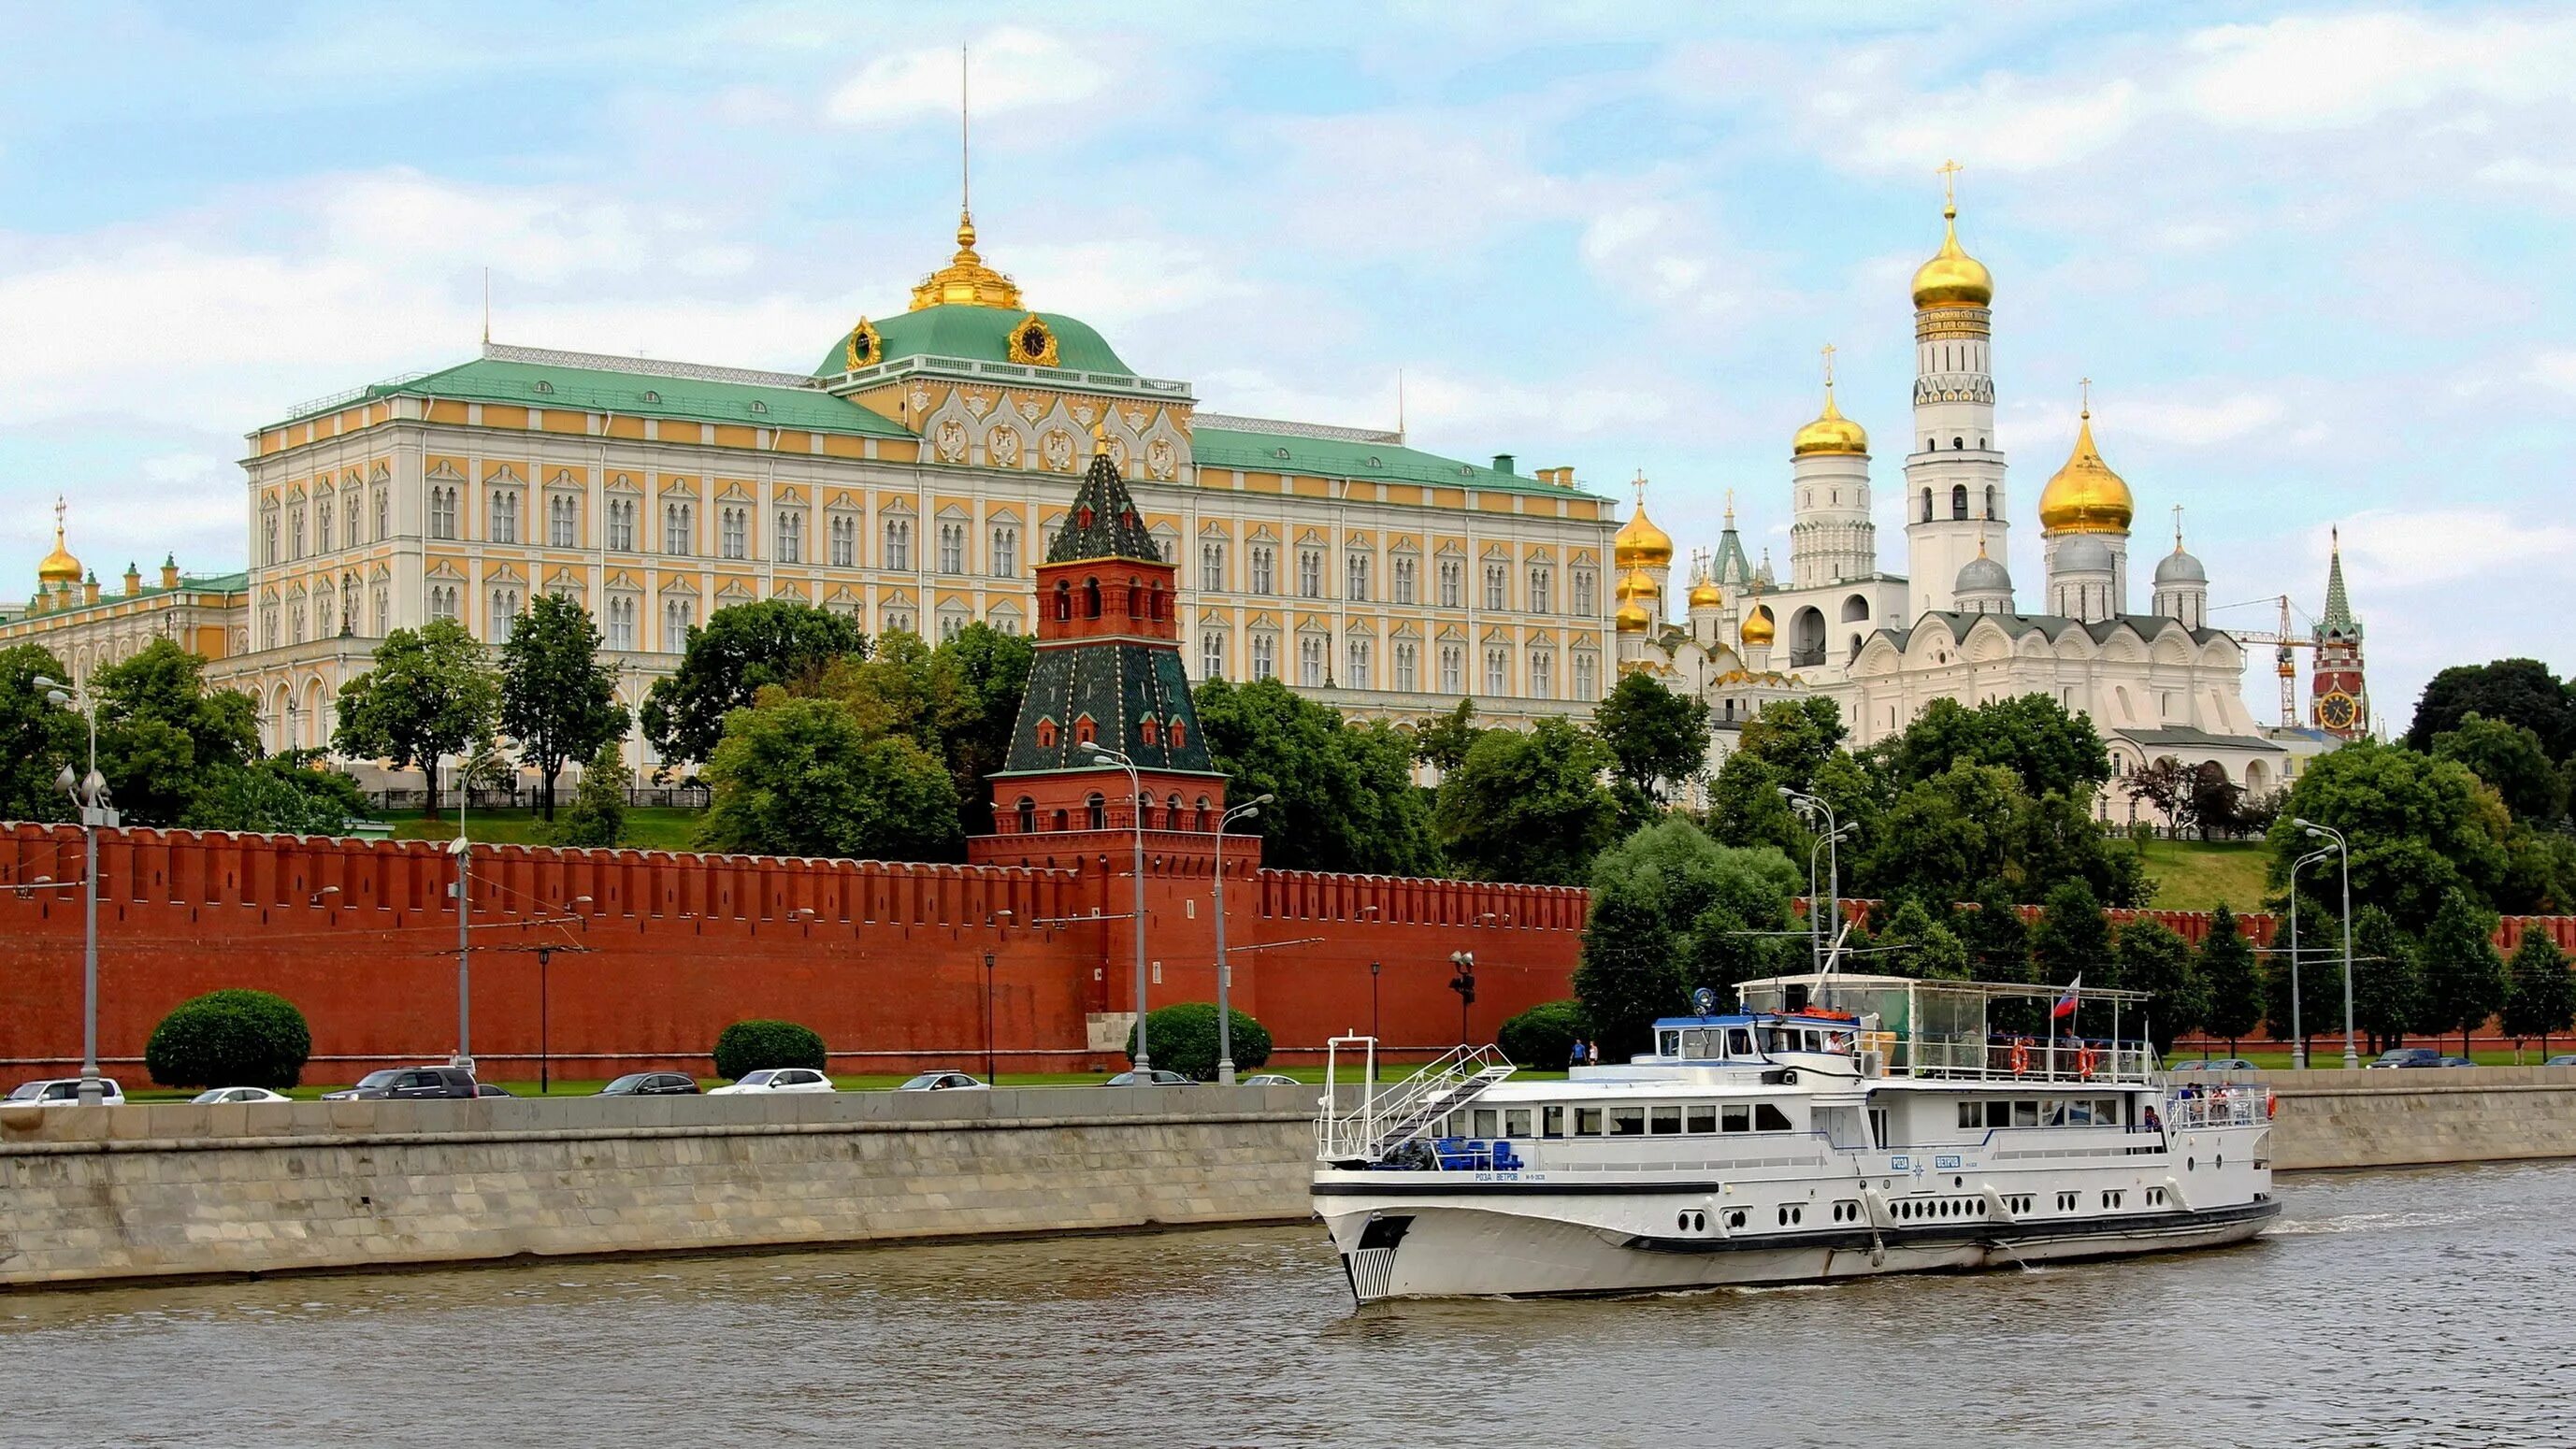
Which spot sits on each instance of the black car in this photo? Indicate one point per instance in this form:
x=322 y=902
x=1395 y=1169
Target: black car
x=409 y=1083
x=651 y=1084
x=2409 y=1057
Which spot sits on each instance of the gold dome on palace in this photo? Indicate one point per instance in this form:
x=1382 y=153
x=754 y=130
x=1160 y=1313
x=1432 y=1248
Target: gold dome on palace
x=2086 y=496
x=1952 y=278
x=1639 y=544
x=1632 y=617
x=1757 y=625
x=1707 y=595
x=59 y=567
x=1831 y=432
x=966 y=281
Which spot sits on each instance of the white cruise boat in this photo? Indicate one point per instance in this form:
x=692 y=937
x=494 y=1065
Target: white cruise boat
x=1836 y=1126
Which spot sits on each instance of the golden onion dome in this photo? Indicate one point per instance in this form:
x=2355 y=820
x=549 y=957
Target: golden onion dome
x=1757 y=625
x=1952 y=278
x=1632 y=618
x=1706 y=594
x=1639 y=544
x=1636 y=584
x=2085 y=496
x=1831 y=432
x=59 y=567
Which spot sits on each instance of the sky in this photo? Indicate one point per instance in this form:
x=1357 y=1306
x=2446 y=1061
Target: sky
x=2312 y=257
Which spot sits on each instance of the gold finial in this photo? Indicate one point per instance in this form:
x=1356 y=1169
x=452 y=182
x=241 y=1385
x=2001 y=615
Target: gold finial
x=61 y=508
x=1981 y=543
x=1829 y=367
x=1949 y=173
x=1100 y=437
x=965 y=281
x=1730 y=508
x=2086 y=384
x=1641 y=487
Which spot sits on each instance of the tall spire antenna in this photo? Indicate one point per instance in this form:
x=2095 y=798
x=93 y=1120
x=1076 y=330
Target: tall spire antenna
x=965 y=169
x=1399 y=404
x=487 y=306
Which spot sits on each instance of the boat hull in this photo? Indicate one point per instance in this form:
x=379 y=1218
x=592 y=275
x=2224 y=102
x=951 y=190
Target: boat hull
x=1463 y=1246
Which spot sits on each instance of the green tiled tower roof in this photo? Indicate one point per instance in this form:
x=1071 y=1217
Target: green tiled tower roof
x=1104 y=522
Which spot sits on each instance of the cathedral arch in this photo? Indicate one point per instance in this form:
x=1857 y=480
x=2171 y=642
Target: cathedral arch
x=1855 y=609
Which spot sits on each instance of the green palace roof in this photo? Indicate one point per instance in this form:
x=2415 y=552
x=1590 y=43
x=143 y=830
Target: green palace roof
x=637 y=394
x=1345 y=458
x=978 y=334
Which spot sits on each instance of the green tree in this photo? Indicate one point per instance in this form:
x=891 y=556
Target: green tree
x=1997 y=938
x=290 y=794
x=430 y=694
x=1745 y=808
x=2515 y=691
x=2153 y=958
x=1184 y=1039
x=597 y=816
x=1672 y=910
x=2511 y=759
x=2319 y=977
x=2231 y=989
x=557 y=699
x=2540 y=999
x=233 y=1038
x=765 y=1045
x=740 y=650
x=1529 y=807
x=2464 y=980
x=1795 y=737
x=2387 y=984
x=2419 y=829
x=2073 y=938
x=1443 y=742
x=163 y=736
x=1344 y=797
x=37 y=736
x=1656 y=737
x=2032 y=735
x=796 y=776
x=1945 y=832
x=1544 y=1035
x=978 y=676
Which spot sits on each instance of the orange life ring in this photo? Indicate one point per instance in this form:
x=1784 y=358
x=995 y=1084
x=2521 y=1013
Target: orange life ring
x=2021 y=1057
x=2271 y=1106
x=2086 y=1059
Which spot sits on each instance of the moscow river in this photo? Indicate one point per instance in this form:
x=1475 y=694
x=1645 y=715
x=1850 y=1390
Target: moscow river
x=2388 y=1308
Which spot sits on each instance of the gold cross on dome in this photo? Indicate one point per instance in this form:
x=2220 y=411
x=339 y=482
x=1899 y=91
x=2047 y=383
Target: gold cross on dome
x=1829 y=364
x=1641 y=488
x=60 y=507
x=1949 y=173
x=2177 y=528
x=2086 y=383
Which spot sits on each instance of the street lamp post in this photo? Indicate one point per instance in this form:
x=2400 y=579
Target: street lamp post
x=1224 y=968
x=90 y=793
x=1374 y=968
x=1809 y=805
x=545 y=1050
x=2298 y=1043
x=462 y=850
x=2343 y=851
x=1135 y=802
x=988 y=1020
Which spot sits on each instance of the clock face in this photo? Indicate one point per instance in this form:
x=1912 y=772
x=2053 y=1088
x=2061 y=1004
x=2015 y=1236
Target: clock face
x=2336 y=710
x=1032 y=342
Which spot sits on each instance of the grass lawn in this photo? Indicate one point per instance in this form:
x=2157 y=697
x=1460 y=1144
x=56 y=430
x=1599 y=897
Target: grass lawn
x=2191 y=876
x=647 y=828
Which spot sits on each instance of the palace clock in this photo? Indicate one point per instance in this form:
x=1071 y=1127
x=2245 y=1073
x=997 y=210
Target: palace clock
x=2337 y=711
x=1033 y=342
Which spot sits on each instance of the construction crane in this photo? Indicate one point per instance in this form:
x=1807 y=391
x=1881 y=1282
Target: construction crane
x=2282 y=642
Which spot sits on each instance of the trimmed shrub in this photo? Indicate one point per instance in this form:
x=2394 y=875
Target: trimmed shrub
x=231 y=1038
x=1543 y=1036
x=1184 y=1040
x=750 y=1046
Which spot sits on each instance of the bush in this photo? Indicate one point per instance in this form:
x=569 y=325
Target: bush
x=1183 y=1039
x=1544 y=1035
x=750 y=1046
x=597 y=815
x=230 y=1039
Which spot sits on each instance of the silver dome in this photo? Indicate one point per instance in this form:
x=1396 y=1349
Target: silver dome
x=2178 y=567
x=2084 y=554
x=1984 y=575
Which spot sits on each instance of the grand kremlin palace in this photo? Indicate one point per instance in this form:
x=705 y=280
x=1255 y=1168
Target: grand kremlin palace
x=913 y=479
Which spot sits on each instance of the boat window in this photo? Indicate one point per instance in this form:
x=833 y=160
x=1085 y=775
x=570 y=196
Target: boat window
x=1739 y=1042
x=2025 y=1114
x=1739 y=1119
x=1695 y=1044
x=1667 y=1121
x=1703 y=1118
x=1972 y=1114
x=1767 y=1118
x=1668 y=1043
x=1516 y=1122
x=1587 y=1121
x=1551 y=1121
x=1627 y=1121
x=2106 y=1111
x=1488 y=1122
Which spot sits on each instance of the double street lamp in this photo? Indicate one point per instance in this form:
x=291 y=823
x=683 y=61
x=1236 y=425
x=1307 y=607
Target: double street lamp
x=90 y=793
x=2351 y=1057
x=1224 y=968
x=1810 y=806
x=2298 y=1043
x=1136 y=802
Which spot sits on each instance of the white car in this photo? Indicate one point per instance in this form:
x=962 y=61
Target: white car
x=776 y=1079
x=238 y=1094
x=942 y=1082
x=65 y=1092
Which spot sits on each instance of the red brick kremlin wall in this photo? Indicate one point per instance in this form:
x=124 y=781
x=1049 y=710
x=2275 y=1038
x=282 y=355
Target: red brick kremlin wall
x=885 y=960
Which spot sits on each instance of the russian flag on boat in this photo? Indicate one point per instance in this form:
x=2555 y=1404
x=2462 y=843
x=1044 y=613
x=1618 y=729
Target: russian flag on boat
x=2066 y=1004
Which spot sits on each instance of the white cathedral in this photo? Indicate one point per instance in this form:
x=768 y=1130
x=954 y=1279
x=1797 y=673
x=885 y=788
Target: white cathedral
x=2158 y=683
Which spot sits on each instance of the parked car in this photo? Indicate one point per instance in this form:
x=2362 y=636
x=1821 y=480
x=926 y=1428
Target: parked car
x=651 y=1084
x=1156 y=1078
x=1269 y=1079
x=943 y=1082
x=2408 y=1057
x=2212 y=1064
x=237 y=1094
x=775 y=1079
x=2562 y=1060
x=487 y=1089
x=65 y=1092
x=2457 y=1062
x=408 y=1084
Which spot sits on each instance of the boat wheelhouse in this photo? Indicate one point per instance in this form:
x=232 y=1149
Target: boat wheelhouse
x=1834 y=1126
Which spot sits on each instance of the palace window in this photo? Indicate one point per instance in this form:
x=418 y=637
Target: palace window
x=505 y=515
x=443 y=600
x=898 y=543
x=1265 y=569
x=1403 y=578
x=1356 y=577
x=1006 y=551
x=384 y=511
x=678 y=526
x=563 y=529
x=1542 y=673
x=733 y=532
x=442 y=512
x=1587 y=676
x=1310 y=573
x=621 y=524
x=1495 y=584
x=677 y=616
x=621 y=624
x=322 y=525
x=1587 y=593
x=1453 y=669
x=1212 y=566
x=1408 y=667
x=1265 y=656
x=295 y=530
x=1357 y=672
x=1453 y=576
x=1212 y=654
x=268 y=534
x=789 y=539
x=1498 y=670
x=845 y=541
x=1310 y=663
x=353 y=503
x=1542 y=588
x=382 y=608
x=505 y=614
x=898 y=620
x=952 y=548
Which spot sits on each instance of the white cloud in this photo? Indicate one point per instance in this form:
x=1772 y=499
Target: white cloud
x=2313 y=72
x=2415 y=548
x=1013 y=69
x=2199 y=424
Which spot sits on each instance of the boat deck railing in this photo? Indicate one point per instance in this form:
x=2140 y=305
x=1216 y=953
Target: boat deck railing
x=2015 y=1059
x=2219 y=1104
x=1388 y=1118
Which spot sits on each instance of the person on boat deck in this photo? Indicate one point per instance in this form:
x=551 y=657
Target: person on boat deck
x=2153 y=1122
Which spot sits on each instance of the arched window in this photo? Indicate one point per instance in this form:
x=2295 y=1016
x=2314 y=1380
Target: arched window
x=1135 y=599
x=1144 y=812
x=1172 y=813
x=1063 y=599
x=1958 y=445
x=1146 y=729
x=1204 y=822
x=1091 y=598
x=1028 y=816
x=1180 y=733
x=1099 y=811
x=1046 y=734
x=1085 y=730
x=1061 y=822
x=1959 y=500
x=1990 y=501
x=1927 y=505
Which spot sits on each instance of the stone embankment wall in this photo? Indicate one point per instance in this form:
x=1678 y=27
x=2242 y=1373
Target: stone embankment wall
x=2366 y=1118
x=89 y=1195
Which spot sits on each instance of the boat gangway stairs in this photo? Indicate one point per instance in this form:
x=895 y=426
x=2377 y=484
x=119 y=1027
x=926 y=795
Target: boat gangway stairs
x=1385 y=1119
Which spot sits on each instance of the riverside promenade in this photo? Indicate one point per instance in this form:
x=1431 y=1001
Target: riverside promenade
x=139 y=1192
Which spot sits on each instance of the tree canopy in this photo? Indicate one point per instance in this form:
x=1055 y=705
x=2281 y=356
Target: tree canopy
x=1657 y=738
x=2513 y=691
x=2032 y=735
x=557 y=699
x=2512 y=762
x=2387 y=984
x=740 y=650
x=1529 y=806
x=2540 y=996
x=1344 y=796
x=2419 y=829
x=163 y=736
x=37 y=736
x=430 y=694
x=2155 y=959
x=1672 y=911
x=2231 y=989
x=2464 y=978
x=800 y=776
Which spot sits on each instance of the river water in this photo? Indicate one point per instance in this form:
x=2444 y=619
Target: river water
x=2433 y=1307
